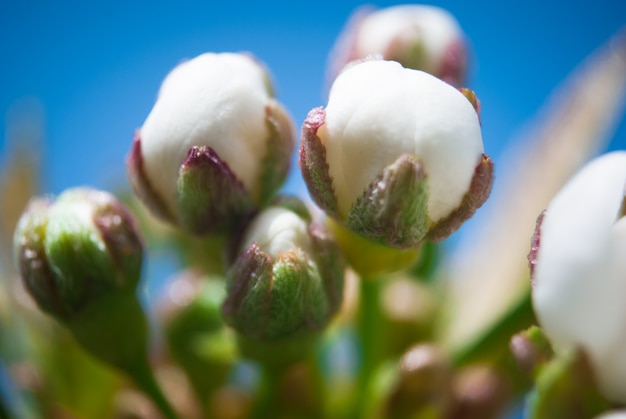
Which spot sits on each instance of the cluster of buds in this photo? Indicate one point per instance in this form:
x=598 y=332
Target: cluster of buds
x=395 y=158
x=215 y=147
x=577 y=266
x=287 y=280
x=421 y=37
x=397 y=154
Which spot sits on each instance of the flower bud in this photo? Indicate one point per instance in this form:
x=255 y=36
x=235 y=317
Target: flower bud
x=80 y=259
x=565 y=389
x=287 y=281
x=76 y=250
x=579 y=271
x=422 y=37
x=424 y=383
x=397 y=155
x=215 y=146
x=196 y=336
x=531 y=349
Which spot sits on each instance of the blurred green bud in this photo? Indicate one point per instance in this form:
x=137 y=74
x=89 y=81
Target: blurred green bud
x=197 y=338
x=80 y=259
x=423 y=384
x=531 y=349
x=288 y=279
x=77 y=250
x=215 y=146
x=480 y=392
x=566 y=388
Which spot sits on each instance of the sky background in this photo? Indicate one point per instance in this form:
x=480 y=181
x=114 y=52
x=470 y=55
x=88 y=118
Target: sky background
x=93 y=68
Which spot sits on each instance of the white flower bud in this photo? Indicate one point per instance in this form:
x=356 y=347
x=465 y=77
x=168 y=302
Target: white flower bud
x=287 y=279
x=215 y=138
x=378 y=111
x=216 y=100
x=579 y=270
x=422 y=37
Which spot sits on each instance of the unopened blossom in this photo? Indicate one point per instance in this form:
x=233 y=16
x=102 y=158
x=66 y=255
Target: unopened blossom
x=215 y=146
x=396 y=155
x=579 y=270
x=422 y=37
x=287 y=280
x=79 y=257
x=76 y=250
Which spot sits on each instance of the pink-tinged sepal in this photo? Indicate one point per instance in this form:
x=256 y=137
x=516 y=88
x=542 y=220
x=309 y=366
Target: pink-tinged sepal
x=314 y=165
x=210 y=197
x=249 y=293
x=479 y=191
x=330 y=264
x=142 y=186
x=535 y=242
x=454 y=64
x=280 y=145
x=473 y=99
x=393 y=210
x=31 y=259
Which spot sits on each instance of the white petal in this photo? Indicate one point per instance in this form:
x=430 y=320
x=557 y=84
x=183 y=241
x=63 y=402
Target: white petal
x=217 y=100
x=617 y=414
x=277 y=230
x=611 y=366
x=379 y=110
x=580 y=283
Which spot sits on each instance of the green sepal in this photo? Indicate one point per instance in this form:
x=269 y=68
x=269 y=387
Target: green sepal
x=313 y=164
x=328 y=259
x=249 y=293
x=566 y=389
x=474 y=198
x=280 y=144
x=393 y=209
x=298 y=297
x=31 y=260
x=210 y=197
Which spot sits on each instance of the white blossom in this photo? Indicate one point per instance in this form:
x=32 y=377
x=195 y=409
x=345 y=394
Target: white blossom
x=215 y=100
x=379 y=110
x=579 y=278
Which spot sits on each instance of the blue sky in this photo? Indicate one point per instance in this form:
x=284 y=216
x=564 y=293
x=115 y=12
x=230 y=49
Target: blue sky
x=95 y=67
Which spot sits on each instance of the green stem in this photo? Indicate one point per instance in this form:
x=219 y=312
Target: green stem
x=267 y=404
x=141 y=373
x=317 y=386
x=493 y=343
x=370 y=328
x=114 y=329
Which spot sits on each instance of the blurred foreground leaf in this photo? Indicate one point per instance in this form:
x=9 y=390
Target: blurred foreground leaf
x=490 y=273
